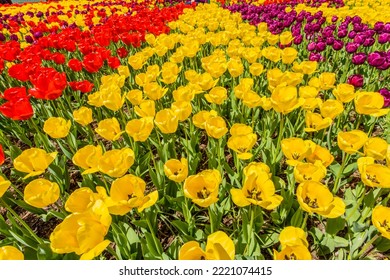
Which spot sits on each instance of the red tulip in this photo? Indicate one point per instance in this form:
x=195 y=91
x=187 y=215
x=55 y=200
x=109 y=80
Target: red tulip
x=113 y=62
x=17 y=109
x=14 y=93
x=48 y=84
x=92 y=62
x=75 y=65
x=2 y=157
x=83 y=86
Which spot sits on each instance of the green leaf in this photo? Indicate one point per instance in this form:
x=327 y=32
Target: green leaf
x=382 y=244
x=333 y=226
x=297 y=218
x=181 y=226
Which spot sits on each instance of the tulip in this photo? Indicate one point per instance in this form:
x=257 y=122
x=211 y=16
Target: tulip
x=309 y=171
x=2 y=157
x=386 y=95
x=315 y=122
x=116 y=163
x=356 y=80
x=298 y=252
x=359 y=58
x=320 y=154
x=216 y=127
x=218 y=247
x=372 y=174
x=88 y=158
x=41 y=193
x=376 y=147
x=176 y=170
x=284 y=99
x=344 y=92
x=370 y=103
x=10 y=253
x=154 y=91
x=256 y=69
x=293 y=236
x=296 y=149
x=4 y=184
x=203 y=187
x=127 y=193
x=83 y=116
x=241 y=144
x=182 y=109
x=235 y=68
x=314 y=197
x=167 y=121
x=258 y=189
x=57 y=127
x=331 y=108
x=200 y=118
x=216 y=95
x=109 y=129
x=33 y=161
x=351 y=141
x=140 y=129
x=145 y=109
x=381 y=220
x=327 y=80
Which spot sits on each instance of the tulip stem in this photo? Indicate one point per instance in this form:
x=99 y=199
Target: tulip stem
x=364 y=250
x=280 y=135
x=155 y=240
x=20 y=220
x=252 y=210
x=337 y=181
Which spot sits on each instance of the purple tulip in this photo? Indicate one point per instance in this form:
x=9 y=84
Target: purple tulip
x=315 y=57
x=376 y=59
x=334 y=18
x=359 y=58
x=369 y=42
x=384 y=38
x=320 y=46
x=356 y=80
x=29 y=39
x=2 y=37
x=338 y=45
x=379 y=26
x=311 y=46
x=351 y=34
x=359 y=39
x=298 y=40
x=13 y=37
x=386 y=95
x=330 y=41
x=351 y=47
x=342 y=33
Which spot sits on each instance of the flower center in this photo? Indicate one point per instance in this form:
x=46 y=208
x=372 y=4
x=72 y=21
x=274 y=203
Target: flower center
x=385 y=225
x=254 y=194
x=295 y=156
x=372 y=178
x=311 y=203
x=203 y=194
x=291 y=257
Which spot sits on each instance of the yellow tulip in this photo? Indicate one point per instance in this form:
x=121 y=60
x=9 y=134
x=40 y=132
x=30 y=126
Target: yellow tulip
x=109 y=129
x=244 y=86
x=292 y=236
x=373 y=174
x=216 y=127
x=200 y=118
x=235 y=67
x=344 y=92
x=81 y=233
x=33 y=161
x=256 y=69
x=370 y=103
x=252 y=99
x=309 y=171
x=10 y=253
x=134 y=96
x=83 y=116
x=286 y=38
x=203 y=187
x=376 y=147
x=57 y=127
x=137 y=61
x=169 y=72
x=124 y=71
x=289 y=55
x=166 y=121
x=284 y=99
x=308 y=92
x=140 y=129
x=320 y=154
x=216 y=95
x=381 y=220
x=128 y=192
x=88 y=158
x=176 y=170
x=112 y=98
x=218 y=247
x=258 y=189
x=351 y=141
x=241 y=144
x=116 y=163
x=154 y=91
x=182 y=109
x=206 y=81
x=41 y=193
x=314 y=197
x=315 y=122
x=331 y=108
x=298 y=252
x=327 y=80
x=4 y=184
x=272 y=53
x=146 y=108
x=296 y=149
x=257 y=168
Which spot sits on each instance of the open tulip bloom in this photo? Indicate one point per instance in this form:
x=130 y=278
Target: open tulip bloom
x=171 y=129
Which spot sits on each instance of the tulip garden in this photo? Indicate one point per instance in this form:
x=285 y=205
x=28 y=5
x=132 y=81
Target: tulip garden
x=171 y=130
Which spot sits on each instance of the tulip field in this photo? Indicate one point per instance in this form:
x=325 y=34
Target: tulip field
x=172 y=130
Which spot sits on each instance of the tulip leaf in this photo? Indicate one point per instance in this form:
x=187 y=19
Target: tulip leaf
x=181 y=226
x=340 y=242
x=27 y=241
x=382 y=244
x=28 y=207
x=44 y=252
x=297 y=218
x=268 y=240
x=333 y=226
